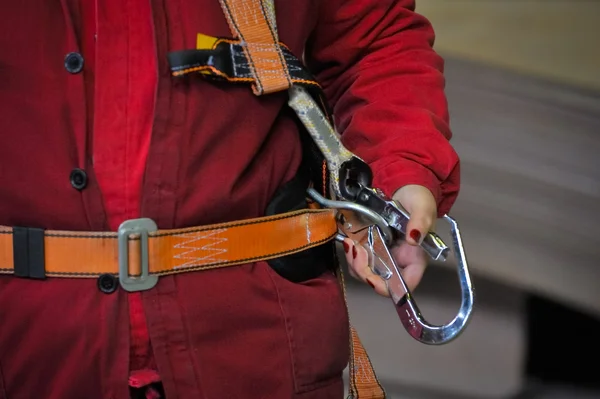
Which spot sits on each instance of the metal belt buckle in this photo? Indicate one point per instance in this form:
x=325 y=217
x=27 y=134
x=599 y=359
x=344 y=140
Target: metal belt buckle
x=142 y=227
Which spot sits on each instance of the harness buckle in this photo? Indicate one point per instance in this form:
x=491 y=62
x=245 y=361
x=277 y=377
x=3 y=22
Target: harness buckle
x=142 y=227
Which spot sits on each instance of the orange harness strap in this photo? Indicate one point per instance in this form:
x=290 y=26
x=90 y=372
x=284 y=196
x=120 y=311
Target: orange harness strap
x=253 y=23
x=38 y=254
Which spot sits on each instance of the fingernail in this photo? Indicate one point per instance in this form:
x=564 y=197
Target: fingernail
x=346 y=247
x=371 y=284
x=415 y=235
x=354 y=252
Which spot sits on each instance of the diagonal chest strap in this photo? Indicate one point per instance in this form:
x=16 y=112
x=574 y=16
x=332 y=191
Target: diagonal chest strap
x=253 y=23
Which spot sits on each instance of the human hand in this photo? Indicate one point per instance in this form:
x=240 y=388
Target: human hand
x=409 y=256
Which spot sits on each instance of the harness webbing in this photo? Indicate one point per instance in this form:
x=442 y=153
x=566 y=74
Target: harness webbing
x=257 y=57
x=226 y=59
x=253 y=22
x=223 y=59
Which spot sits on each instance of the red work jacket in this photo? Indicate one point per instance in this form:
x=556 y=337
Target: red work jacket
x=94 y=131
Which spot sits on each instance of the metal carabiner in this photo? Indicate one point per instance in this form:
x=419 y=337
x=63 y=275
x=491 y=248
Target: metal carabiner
x=368 y=229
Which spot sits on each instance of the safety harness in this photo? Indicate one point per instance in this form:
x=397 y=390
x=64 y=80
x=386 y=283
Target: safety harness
x=255 y=56
x=138 y=253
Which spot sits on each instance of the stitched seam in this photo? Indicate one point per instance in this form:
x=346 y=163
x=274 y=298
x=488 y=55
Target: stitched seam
x=223 y=75
x=238 y=224
x=113 y=236
x=288 y=329
x=280 y=54
x=207 y=266
x=245 y=260
x=233 y=24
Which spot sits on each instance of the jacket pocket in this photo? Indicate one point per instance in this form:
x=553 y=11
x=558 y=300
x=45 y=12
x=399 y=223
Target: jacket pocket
x=317 y=327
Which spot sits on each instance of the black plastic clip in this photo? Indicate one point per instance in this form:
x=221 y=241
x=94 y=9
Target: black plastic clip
x=28 y=252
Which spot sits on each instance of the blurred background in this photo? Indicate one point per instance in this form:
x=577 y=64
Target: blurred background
x=523 y=84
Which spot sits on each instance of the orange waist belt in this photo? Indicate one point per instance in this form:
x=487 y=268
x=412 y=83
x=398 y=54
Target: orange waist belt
x=139 y=253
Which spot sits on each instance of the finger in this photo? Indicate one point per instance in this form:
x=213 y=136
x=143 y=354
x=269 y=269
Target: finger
x=421 y=205
x=422 y=216
x=412 y=263
x=348 y=244
x=412 y=275
x=358 y=265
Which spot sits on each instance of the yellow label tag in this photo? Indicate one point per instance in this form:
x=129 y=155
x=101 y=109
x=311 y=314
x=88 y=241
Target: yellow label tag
x=204 y=42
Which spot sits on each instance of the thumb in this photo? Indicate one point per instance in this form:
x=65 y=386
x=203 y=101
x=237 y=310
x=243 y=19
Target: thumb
x=420 y=204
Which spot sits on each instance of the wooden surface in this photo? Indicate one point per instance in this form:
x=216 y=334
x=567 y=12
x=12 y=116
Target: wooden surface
x=558 y=39
x=529 y=211
x=530 y=200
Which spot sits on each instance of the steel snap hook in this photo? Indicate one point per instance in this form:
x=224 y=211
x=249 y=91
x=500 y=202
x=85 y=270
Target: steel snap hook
x=404 y=302
x=370 y=230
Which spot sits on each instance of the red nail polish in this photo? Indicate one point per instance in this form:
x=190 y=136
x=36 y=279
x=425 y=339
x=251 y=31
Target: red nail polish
x=354 y=252
x=371 y=284
x=415 y=235
x=346 y=246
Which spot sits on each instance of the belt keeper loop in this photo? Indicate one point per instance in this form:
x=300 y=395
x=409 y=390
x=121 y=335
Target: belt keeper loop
x=37 y=269
x=29 y=252
x=21 y=251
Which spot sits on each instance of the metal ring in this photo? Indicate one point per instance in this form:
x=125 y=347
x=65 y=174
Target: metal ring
x=376 y=218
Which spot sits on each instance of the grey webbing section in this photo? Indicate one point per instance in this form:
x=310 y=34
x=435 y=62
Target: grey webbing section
x=314 y=120
x=363 y=382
